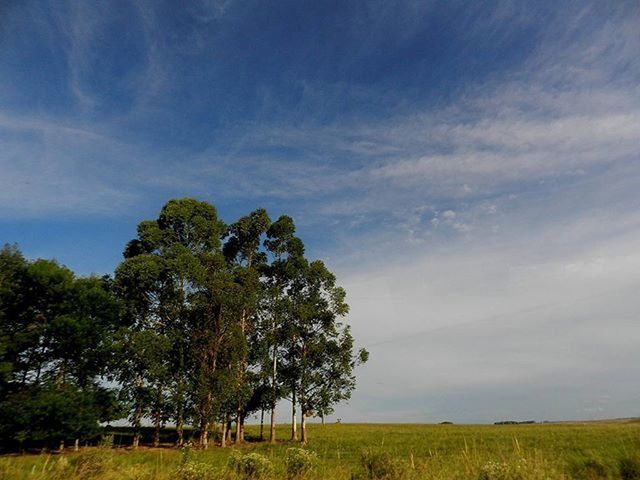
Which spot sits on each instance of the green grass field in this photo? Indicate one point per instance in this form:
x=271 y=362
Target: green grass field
x=364 y=451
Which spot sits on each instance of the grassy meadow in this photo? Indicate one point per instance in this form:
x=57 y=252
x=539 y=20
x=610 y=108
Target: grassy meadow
x=366 y=451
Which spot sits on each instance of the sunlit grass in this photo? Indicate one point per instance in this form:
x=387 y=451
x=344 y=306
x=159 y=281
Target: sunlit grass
x=421 y=451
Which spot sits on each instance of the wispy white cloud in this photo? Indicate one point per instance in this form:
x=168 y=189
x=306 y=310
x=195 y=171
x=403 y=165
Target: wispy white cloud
x=542 y=122
x=492 y=230
x=52 y=168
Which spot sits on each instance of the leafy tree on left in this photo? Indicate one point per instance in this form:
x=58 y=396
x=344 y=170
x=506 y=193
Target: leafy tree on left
x=56 y=344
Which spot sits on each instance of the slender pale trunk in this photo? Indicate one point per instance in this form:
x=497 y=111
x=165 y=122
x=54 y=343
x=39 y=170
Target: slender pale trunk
x=243 y=366
x=157 y=417
x=137 y=419
x=294 y=420
x=180 y=413
x=156 y=427
x=272 y=426
x=303 y=426
x=303 y=417
x=274 y=387
x=61 y=446
x=204 y=434
x=238 y=428
x=261 y=424
x=76 y=445
x=180 y=424
x=136 y=440
x=223 y=437
x=137 y=414
x=228 y=428
x=180 y=375
x=156 y=434
x=204 y=421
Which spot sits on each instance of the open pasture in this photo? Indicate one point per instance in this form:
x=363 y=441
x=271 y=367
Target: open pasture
x=586 y=451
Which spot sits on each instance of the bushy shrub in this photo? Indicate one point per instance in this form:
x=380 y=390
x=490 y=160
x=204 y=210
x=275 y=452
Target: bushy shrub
x=195 y=471
x=379 y=466
x=191 y=470
x=501 y=471
x=589 y=470
x=299 y=462
x=629 y=468
x=251 y=466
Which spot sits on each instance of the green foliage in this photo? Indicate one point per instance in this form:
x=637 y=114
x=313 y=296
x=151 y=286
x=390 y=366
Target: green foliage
x=56 y=343
x=320 y=357
x=250 y=466
x=196 y=471
x=379 y=465
x=50 y=413
x=203 y=322
x=299 y=462
x=515 y=470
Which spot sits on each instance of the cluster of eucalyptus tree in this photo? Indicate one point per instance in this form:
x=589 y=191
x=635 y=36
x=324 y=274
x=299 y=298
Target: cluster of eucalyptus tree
x=223 y=321
x=202 y=325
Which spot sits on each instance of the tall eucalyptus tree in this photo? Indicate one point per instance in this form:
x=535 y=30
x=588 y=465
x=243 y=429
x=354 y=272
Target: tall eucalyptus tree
x=286 y=251
x=320 y=354
x=246 y=260
x=160 y=273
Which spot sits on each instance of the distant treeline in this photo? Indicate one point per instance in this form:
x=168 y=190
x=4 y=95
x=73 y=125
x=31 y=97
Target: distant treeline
x=201 y=325
x=514 y=422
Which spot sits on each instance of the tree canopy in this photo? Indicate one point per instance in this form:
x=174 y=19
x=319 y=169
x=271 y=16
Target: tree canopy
x=201 y=325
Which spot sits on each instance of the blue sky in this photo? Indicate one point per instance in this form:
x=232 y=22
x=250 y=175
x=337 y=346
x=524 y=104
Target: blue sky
x=469 y=169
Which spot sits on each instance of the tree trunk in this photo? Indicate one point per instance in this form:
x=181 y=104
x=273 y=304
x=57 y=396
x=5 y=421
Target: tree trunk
x=274 y=386
x=261 y=424
x=303 y=426
x=137 y=415
x=180 y=424
x=204 y=434
x=157 y=422
x=137 y=418
x=76 y=445
x=294 y=420
x=223 y=437
x=61 y=446
x=243 y=366
x=272 y=426
x=156 y=435
x=242 y=417
x=238 y=428
x=227 y=421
